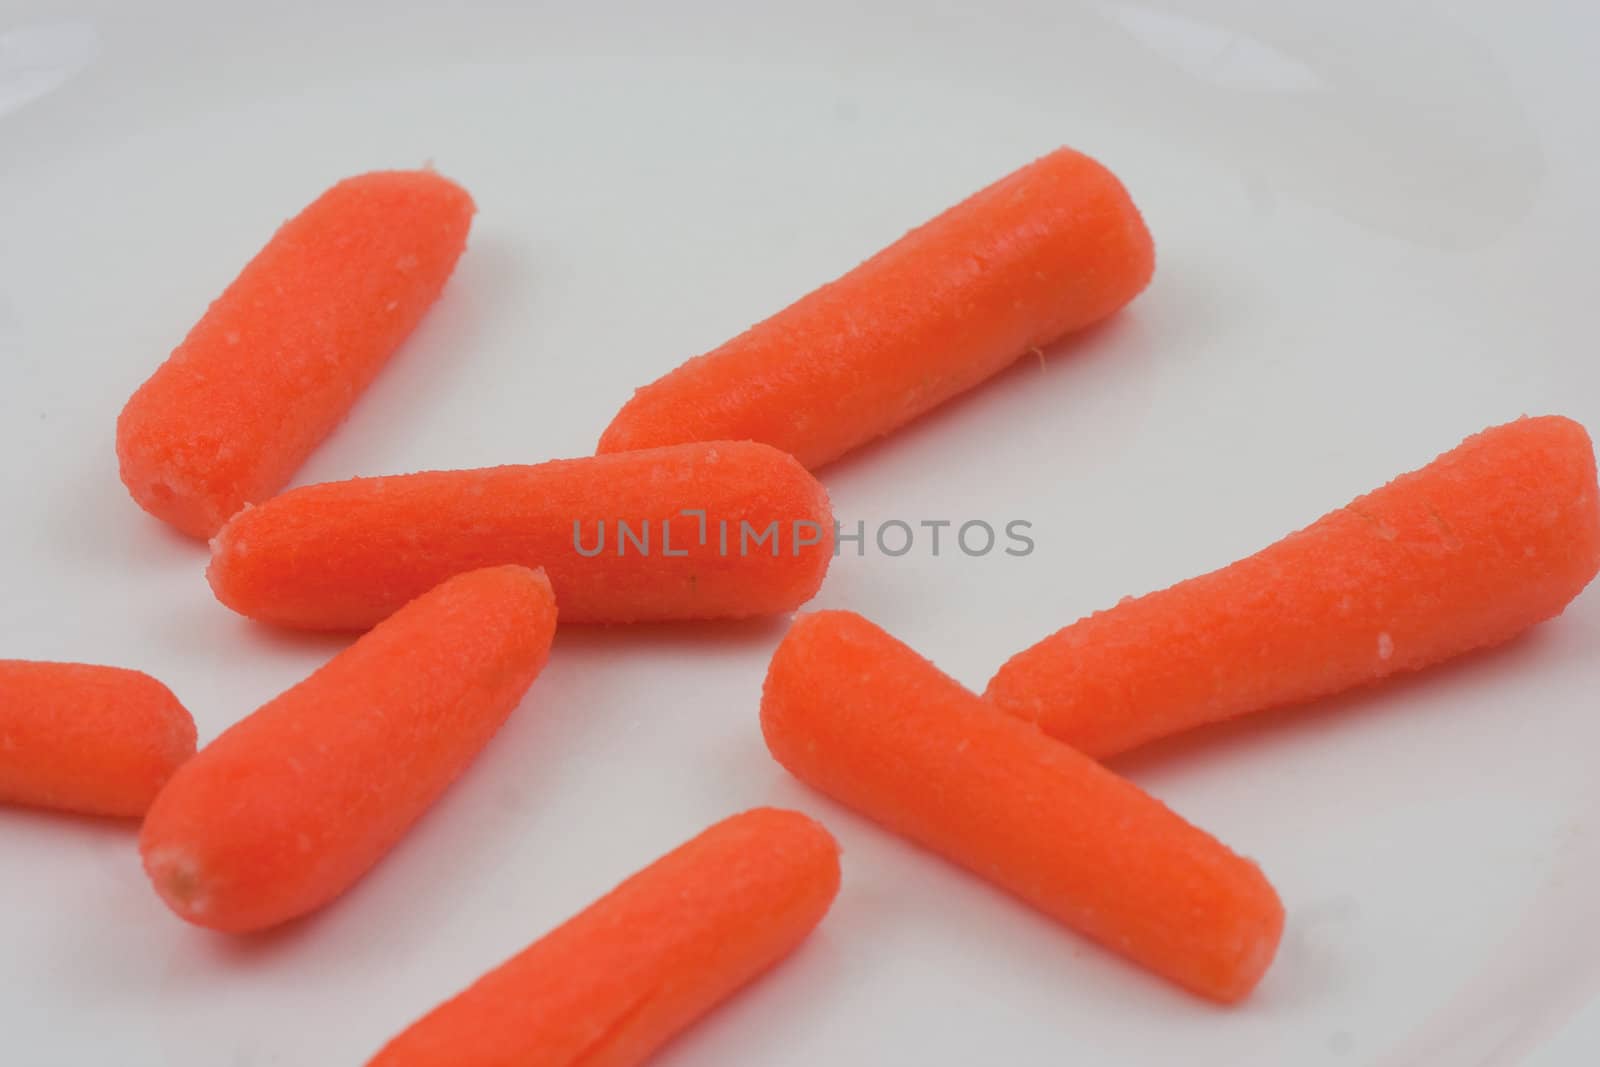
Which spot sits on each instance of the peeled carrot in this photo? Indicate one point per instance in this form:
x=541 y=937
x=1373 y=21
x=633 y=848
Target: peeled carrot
x=279 y=358
x=854 y=713
x=289 y=807
x=615 y=982
x=700 y=531
x=1043 y=252
x=96 y=740
x=1487 y=540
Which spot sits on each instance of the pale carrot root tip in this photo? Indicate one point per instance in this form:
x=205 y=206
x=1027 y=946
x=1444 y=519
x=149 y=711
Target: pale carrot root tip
x=178 y=881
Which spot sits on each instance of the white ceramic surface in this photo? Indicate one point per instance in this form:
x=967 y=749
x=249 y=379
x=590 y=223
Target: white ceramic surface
x=1376 y=228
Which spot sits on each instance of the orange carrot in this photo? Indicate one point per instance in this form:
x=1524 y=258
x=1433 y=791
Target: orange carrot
x=97 y=740
x=1487 y=540
x=612 y=984
x=854 y=713
x=277 y=361
x=1048 y=250
x=701 y=531
x=293 y=804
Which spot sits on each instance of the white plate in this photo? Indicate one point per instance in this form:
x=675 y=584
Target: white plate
x=1376 y=227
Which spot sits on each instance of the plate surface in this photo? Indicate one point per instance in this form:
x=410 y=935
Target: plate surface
x=1376 y=228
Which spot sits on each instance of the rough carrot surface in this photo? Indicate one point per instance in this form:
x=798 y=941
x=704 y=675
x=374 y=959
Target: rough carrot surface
x=279 y=358
x=858 y=715
x=1487 y=540
x=344 y=554
x=616 y=981
x=294 y=803
x=1043 y=252
x=96 y=740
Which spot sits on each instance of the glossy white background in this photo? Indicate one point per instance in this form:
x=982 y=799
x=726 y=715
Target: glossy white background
x=1376 y=229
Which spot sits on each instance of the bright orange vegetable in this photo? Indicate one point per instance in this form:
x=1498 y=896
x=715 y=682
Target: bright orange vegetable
x=96 y=740
x=854 y=713
x=289 y=807
x=279 y=358
x=615 y=982
x=1043 y=252
x=1482 y=543
x=611 y=531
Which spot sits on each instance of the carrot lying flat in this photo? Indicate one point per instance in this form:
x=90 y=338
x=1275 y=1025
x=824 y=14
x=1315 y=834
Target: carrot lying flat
x=1485 y=541
x=852 y=712
x=279 y=358
x=97 y=740
x=293 y=804
x=613 y=983
x=611 y=531
x=1043 y=252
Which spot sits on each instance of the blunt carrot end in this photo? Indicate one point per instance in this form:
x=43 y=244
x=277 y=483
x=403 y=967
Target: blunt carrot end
x=293 y=804
x=85 y=738
x=850 y=711
x=279 y=358
x=1494 y=536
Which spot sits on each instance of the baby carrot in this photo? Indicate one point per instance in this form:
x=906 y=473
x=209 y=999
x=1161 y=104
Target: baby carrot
x=1487 y=540
x=289 y=807
x=279 y=358
x=1043 y=252
x=96 y=740
x=615 y=982
x=699 y=531
x=854 y=713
